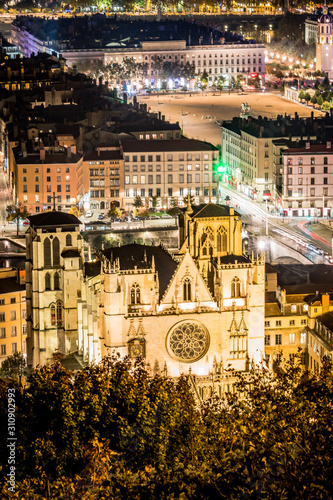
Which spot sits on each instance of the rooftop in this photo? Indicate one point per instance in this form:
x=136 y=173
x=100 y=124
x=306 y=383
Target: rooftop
x=10 y=285
x=140 y=257
x=161 y=145
x=53 y=219
x=110 y=154
x=210 y=210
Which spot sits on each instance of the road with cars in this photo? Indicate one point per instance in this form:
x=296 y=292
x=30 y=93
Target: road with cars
x=298 y=234
x=126 y=223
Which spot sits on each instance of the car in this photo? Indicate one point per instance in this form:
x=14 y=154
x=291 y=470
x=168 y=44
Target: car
x=89 y=213
x=166 y=216
x=101 y=216
x=26 y=222
x=153 y=217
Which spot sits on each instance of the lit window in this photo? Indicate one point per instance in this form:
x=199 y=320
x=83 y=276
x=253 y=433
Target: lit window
x=135 y=294
x=235 y=287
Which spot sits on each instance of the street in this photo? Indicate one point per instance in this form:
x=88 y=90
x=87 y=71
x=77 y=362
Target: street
x=293 y=232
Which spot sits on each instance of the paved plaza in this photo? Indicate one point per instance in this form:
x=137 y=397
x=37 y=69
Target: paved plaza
x=199 y=113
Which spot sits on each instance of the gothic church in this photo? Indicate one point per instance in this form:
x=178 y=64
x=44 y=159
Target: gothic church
x=190 y=312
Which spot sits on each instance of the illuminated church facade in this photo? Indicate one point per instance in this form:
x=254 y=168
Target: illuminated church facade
x=199 y=312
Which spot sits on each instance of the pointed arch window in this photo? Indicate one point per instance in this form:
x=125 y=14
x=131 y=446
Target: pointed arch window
x=221 y=239
x=53 y=314
x=47 y=282
x=207 y=240
x=235 y=287
x=56 y=252
x=59 y=313
x=47 y=253
x=187 y=290
x=68 y=240
x=56 y=282
x=135 y=294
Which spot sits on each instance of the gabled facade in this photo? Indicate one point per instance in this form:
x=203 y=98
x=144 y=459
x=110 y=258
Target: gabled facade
x=200 y=311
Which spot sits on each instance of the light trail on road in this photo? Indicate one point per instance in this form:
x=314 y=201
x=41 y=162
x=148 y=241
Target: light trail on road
x=248 y=207
x=301 y=226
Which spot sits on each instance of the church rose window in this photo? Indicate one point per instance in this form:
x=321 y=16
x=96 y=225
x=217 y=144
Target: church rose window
x=188 y=341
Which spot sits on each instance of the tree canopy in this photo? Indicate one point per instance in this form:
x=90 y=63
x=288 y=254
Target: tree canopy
x=112 y=431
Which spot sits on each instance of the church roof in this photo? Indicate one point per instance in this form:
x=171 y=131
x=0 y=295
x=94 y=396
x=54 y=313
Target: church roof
x=92 y=268
x=70 y=252
x=232 y=259
x=210 y=210
x=53 y=218
x=141 y=257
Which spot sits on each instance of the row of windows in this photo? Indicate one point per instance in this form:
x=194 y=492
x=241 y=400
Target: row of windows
x=102 y=162
x=291 y=322
x=3 y=349
x=12 y=316
x=312 y=181
x=135 y=293
x=100 y=172
x=169 y=157
x=48 y=188
x=12 y=301
x=312 y=161
x=150 y=178
x=56 y=282
x=55 y=250
x=13 y=332
x=209 y=55
x=48 y=170
x=312 y=170
x=312 y=193
x=48 y=178
x=151 y=168
x=278 y=339
x=182 y=192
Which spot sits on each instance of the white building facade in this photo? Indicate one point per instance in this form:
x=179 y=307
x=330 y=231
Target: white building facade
x=308 y=180
x=324 y=46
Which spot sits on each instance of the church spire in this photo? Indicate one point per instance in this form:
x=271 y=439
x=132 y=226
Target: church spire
x=189 y=209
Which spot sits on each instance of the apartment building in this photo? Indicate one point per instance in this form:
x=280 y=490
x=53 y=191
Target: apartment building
x=308 y=179
x=225 y=60
x=13 y=330
x=170 y=170
x=100 y=178
x=298 y=309
x=248 y=152
x=46 y=178
x=285 y=321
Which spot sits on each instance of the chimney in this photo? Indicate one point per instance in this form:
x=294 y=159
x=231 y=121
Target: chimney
x=328 y=145
x=325 y=302
x=307 y=145
x=21 y=276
